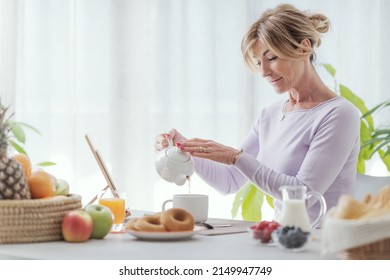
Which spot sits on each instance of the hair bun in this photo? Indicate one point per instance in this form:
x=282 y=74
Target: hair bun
x=321 y=25
x=320 y=22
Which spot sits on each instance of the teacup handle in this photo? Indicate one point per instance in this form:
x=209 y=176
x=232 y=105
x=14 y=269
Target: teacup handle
x=323 y=208
x=165 y=203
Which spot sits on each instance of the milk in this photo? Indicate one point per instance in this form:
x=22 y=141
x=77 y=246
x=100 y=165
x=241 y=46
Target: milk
x=294 y=213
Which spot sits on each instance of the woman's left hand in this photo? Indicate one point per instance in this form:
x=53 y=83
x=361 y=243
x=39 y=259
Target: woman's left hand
x=208 y=149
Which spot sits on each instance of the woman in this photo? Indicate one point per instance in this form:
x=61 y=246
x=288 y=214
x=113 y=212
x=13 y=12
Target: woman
x=310 y=139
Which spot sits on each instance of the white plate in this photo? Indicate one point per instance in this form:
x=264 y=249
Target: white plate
x=162 y=235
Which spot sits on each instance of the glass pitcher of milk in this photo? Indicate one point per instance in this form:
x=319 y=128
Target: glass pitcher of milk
x=294 y=212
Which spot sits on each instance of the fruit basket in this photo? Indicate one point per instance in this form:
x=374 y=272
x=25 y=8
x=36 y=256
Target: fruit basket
x=35 y=220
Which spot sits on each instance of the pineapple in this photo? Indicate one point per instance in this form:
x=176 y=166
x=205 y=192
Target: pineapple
x=13 y=183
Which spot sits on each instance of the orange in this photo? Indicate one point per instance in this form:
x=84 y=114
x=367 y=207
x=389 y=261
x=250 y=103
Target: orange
x=25 y=162
x=41 y=184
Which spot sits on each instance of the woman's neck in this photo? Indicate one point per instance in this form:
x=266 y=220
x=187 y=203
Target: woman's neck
x=310 y=92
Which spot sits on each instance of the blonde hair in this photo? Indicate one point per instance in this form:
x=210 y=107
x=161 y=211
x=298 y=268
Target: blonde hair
x=282 y=30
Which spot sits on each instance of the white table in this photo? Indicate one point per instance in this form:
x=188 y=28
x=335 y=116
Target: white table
x=237 y=246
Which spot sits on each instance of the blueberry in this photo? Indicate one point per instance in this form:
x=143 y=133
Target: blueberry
x=291 y=237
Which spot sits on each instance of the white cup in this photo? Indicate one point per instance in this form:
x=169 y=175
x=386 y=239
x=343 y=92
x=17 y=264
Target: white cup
x=196 y=204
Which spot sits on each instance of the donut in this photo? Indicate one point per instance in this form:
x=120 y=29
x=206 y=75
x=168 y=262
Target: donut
x=131 y=224
x=177 y=219
x=150 y=223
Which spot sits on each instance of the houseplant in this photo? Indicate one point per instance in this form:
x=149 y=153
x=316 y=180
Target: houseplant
x=373 y=140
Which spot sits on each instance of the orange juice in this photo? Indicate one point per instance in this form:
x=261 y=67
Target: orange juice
x=117 y=206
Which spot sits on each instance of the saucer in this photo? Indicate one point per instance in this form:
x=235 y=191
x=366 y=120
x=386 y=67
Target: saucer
x=161 y=236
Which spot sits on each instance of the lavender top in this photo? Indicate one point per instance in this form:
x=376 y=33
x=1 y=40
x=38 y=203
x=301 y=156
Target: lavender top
x=315 y=147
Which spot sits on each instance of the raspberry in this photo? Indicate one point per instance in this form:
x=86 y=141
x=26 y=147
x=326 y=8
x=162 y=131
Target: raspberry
x=262 y=225
x=273 y=225
x=267 y=235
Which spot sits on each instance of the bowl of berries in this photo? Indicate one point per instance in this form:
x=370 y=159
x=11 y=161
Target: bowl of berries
x=291 y=238
x=263 y=231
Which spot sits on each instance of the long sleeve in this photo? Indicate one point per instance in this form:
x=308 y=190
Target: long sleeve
x=224 y=178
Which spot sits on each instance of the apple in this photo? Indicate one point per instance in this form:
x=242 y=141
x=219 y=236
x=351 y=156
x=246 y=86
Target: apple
x=102 y=218
x=77 y=226
x=62 y=187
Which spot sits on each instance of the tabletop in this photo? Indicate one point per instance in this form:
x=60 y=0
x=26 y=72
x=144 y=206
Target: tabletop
x=124 y=246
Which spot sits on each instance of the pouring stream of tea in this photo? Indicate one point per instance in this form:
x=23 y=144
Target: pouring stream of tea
x=189 y=184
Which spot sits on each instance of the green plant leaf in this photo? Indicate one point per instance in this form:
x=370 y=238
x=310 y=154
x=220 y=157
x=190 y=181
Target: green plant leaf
x=46 y=163
x=358 y=102
x=387 y=153
x=375 y=144
x=385 y=157
x=251 y=205
x=370 y=142
x=361 y=166
x=270 y=201
x=381 y=132
x=377 y=107
x=26 y=125
x=250 y=199
x=330 y=69
x=17 y=131
x=17 y=147
x=379 y=146
x=365 y=136
x=238 y=199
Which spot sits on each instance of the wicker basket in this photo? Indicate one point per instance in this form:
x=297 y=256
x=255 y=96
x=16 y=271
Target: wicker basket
x=34 y=220
x=356 y=239
x=379 y=250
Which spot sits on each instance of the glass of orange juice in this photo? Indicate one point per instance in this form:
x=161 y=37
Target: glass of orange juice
x=115 y=200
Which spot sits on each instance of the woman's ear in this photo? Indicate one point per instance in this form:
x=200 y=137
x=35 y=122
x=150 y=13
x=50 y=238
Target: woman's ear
x=306 y=43
x=306 y=47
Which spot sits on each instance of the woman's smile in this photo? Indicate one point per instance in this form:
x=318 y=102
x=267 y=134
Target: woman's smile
x=274 y=81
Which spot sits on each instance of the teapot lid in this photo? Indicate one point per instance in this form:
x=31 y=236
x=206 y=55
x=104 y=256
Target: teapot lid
x=175 y=154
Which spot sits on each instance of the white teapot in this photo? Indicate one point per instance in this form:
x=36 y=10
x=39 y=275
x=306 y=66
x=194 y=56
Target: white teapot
x=173 y=165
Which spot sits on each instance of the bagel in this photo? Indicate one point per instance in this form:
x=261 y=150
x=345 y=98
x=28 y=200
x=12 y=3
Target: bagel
x=150 y=223
x=177 y=219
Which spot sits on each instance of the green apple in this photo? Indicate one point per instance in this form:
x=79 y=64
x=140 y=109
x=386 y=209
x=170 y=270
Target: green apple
x=102 y=218
x=62 y=187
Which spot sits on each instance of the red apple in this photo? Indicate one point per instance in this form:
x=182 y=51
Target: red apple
x=77 y=226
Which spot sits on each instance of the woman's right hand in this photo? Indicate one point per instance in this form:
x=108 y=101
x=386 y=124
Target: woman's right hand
x=161 y=141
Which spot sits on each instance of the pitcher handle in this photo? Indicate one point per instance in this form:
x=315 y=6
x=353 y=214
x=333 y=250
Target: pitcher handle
x=323 y=208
